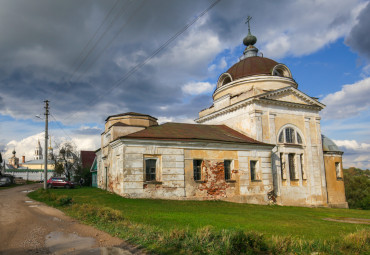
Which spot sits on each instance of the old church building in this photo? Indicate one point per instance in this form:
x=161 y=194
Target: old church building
x=259 y=142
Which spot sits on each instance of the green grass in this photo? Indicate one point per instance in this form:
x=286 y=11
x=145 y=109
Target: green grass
x=169 y=217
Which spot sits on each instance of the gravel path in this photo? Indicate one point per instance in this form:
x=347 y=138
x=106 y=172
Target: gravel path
x=30 y=227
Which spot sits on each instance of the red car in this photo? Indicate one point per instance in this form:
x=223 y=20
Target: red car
x=57 y=182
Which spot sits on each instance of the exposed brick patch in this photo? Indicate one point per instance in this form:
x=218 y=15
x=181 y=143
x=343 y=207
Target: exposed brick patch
x=214 y=179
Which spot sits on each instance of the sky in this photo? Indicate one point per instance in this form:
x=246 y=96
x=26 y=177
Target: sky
x=92 y=59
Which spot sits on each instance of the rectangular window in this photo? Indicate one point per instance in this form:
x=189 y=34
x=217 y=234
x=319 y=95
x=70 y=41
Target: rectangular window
x=227 y=169
x=150 y=169
x=253 y=166
x=338 y=170
x=197 y=168
x=292 y=166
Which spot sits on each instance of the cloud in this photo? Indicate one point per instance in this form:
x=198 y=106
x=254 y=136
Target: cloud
x=40 y=52
x=26 y=147
x=196 y=88
x=355 y=154
x=350 y=101
x=358 y=38
x=84 y=130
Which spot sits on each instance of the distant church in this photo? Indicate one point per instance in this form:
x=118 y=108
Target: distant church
x=259 y=142
x=33 y=169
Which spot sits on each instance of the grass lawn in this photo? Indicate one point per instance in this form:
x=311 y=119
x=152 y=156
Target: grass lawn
x=296 y=222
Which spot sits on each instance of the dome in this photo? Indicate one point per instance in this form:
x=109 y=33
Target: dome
x=328 y=145
x=252 y=66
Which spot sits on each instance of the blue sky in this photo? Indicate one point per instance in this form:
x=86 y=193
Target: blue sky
x=324 y=43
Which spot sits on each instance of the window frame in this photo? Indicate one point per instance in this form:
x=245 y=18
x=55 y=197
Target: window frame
x=290 y=135
x=227 y=170
x=149 y=174
x=338 y=170
x=197 y=169
x=157 y=171
x=254 y=177
x=292 y=166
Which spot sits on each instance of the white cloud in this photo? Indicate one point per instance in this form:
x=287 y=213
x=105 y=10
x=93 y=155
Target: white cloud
x=350 y=101
x=196 y=88
x=26 y=147
x=218 y=66
x=178 y=119
x=352 y=145
x=355 y=154
x=302 y=34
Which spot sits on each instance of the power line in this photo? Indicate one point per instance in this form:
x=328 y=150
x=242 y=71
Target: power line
x=156 y=52
x=118 y=14
x=85 y=55
x=61 y=128
x=133 y=14
x=96 y=32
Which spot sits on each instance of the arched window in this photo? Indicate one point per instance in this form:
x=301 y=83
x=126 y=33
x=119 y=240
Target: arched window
x=224 y=79
x=281 y=70
x=290 y=135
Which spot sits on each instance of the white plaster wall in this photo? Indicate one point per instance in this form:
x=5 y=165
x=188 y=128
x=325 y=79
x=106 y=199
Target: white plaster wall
x=31 y=175
x=171 y=172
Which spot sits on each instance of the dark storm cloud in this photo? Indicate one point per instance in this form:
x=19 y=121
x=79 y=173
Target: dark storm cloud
x=41 y=40
x=359 y=39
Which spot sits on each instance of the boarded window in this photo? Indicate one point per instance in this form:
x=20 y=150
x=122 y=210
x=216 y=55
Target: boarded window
x=304 y=176
x=282 y=166
x=150 y=169
x=253 y=166
x=227 y=169
x=338 y=170
x=291 y=160
x=197 y=168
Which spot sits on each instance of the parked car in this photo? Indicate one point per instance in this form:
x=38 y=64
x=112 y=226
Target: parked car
x=57 y=182
x=5 y=181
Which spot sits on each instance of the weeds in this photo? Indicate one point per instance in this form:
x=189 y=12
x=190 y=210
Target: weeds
x=65 y=200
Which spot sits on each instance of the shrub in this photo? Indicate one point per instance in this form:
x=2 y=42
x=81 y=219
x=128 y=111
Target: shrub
x=64 y=200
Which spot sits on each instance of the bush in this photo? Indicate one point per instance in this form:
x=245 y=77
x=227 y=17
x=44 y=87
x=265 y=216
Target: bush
x=64 y=200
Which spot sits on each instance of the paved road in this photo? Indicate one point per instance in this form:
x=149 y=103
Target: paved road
x=30 y=227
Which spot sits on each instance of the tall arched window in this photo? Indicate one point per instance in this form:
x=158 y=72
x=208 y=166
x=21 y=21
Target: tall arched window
x=291 y=155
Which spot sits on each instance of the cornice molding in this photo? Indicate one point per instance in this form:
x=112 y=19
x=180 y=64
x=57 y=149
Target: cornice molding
x=257 y=78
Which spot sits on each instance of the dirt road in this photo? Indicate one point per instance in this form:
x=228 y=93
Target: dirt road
x=30 y=227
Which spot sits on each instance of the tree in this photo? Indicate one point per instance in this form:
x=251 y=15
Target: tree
x=357 y=186
x=58 y=168
x=68 y=160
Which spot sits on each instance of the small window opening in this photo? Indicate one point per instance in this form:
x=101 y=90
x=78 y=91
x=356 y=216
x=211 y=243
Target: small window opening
x=253 y=166
x=226 y=81
x=227 y=169
x=150 y=169
x=338 y=170
x=197 y=168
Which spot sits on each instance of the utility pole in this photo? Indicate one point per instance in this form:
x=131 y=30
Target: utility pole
x=46 y=144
